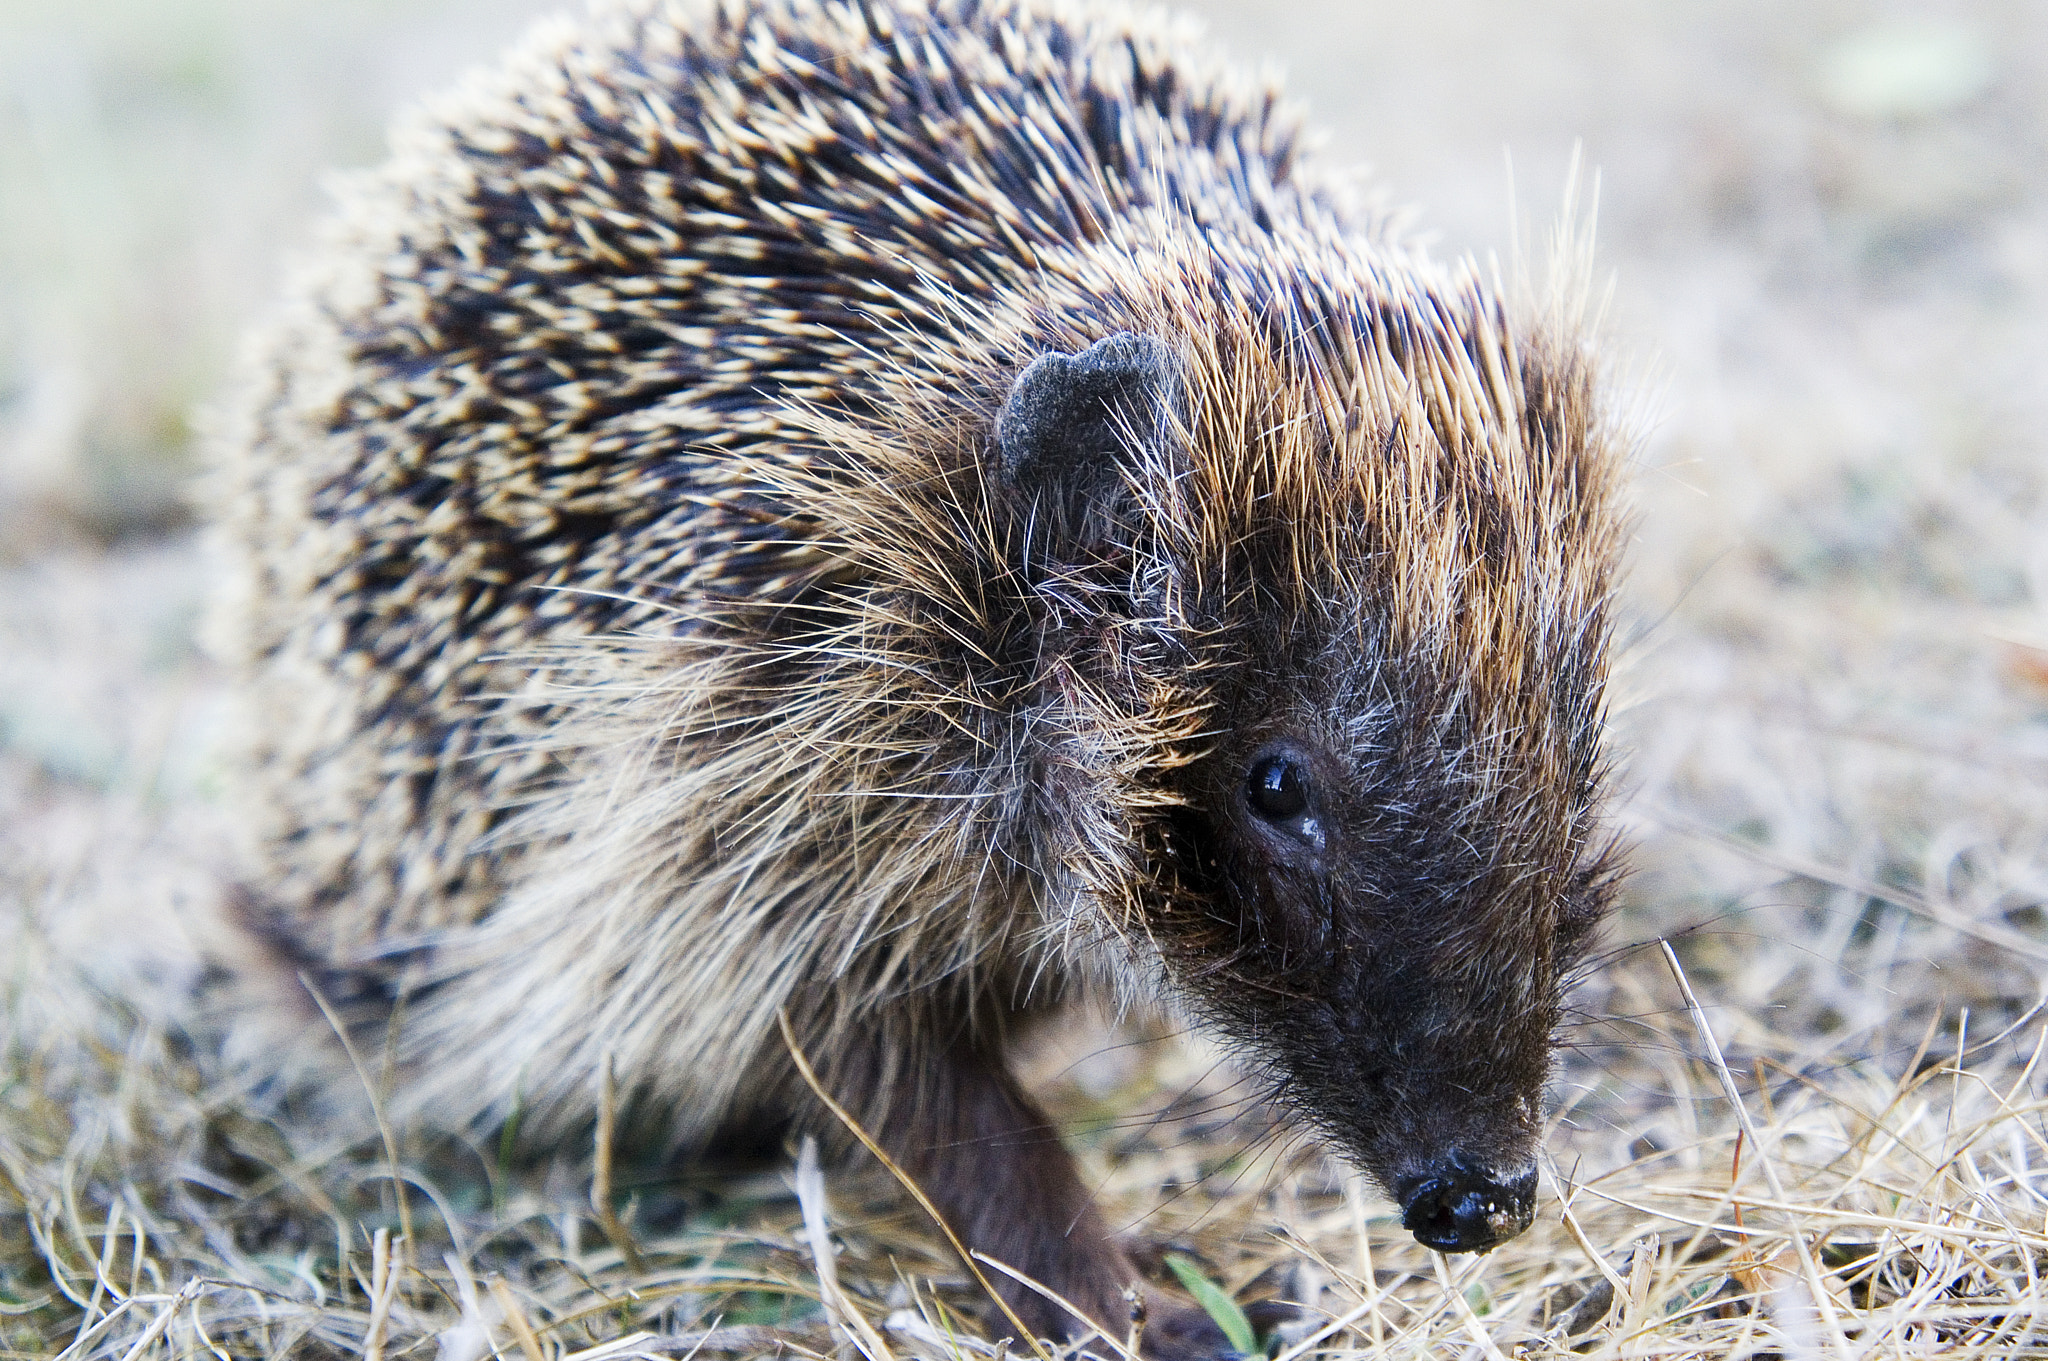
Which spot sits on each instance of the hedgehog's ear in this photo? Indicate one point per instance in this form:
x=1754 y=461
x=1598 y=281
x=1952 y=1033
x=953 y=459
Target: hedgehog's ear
x=1076 y=428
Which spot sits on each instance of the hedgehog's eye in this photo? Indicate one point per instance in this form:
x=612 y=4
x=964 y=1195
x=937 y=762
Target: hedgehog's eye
x=1278 y=789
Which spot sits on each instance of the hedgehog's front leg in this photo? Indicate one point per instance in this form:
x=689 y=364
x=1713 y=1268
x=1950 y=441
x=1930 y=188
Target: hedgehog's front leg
x=948 y=1111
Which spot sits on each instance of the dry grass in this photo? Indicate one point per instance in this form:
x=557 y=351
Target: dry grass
x=1835 y=720
x=156 y=1210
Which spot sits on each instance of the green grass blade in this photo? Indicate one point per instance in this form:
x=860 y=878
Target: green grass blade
x=1221 y=1307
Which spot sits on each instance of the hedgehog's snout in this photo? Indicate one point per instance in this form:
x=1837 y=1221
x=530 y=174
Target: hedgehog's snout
x=1459 y=1208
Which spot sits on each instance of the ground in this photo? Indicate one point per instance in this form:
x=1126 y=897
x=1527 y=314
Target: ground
x=1826 y=227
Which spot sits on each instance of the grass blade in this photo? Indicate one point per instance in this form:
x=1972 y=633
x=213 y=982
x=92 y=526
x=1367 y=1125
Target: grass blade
x=1219 y=1305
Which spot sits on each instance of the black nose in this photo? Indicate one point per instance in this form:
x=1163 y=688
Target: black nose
x=1458 y=1208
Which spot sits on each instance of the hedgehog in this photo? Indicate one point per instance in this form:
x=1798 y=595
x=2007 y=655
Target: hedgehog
x=831 y=529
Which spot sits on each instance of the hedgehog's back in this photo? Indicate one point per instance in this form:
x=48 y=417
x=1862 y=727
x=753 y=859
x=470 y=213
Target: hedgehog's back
x=522 y=396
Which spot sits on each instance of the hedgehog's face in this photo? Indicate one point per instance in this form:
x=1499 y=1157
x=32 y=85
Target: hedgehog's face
x=1372 y=871
x=1360 y=917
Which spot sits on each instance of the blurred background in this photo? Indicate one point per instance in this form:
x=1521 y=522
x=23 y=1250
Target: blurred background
x=1826 y=228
